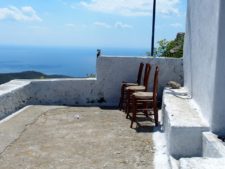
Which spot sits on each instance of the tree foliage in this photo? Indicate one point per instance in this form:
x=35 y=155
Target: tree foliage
x=173 y=48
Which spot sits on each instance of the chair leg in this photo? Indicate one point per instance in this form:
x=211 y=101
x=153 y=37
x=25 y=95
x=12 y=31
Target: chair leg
x=134 y=111
x=155 y=109
x=145 y=106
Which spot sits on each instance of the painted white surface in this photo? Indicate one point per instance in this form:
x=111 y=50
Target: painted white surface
x=218 y=111
x=182 y=124
x=201 y=49
x=204 y=59
x=161 y=157
x=105 y=90
x=65 y=92
x=212 y=146
x=13 y=96
x=213 y=155
x=111 y=71
x=202 y=163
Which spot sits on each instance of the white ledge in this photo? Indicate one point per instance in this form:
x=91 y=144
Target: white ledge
x=183 y=124
x=182 y=111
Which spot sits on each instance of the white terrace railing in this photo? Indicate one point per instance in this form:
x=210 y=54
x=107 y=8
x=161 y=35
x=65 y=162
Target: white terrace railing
x=103 y=90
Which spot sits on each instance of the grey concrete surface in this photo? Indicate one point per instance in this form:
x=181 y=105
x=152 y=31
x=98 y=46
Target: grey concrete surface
x=42 y=137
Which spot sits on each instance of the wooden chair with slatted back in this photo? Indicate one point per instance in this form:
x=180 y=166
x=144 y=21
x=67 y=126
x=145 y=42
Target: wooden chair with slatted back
x=126 y=84
x=141 y=99
x=141 y=88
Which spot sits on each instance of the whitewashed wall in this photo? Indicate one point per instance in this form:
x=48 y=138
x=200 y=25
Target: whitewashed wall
x=111 y=71
x=13 y=96
x=105 y=90
x=65 y=91
x=204 y=59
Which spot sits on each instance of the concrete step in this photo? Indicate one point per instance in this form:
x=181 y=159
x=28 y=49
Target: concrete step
x=202 y=163
x=183 y=124
x=212 y=146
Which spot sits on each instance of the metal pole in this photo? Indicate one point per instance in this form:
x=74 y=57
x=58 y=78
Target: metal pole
x=153 y=27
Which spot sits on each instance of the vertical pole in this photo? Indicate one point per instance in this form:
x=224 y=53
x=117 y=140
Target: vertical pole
x=153 y=27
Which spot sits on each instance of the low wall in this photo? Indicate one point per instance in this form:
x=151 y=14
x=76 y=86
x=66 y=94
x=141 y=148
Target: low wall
x=13 y=96
x=111 y=71
x=65 y=92
x=103 y=90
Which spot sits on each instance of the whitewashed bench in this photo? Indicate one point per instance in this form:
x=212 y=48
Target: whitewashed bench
x=182 y=124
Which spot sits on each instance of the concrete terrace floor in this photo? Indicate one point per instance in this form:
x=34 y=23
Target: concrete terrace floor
x=51 y=137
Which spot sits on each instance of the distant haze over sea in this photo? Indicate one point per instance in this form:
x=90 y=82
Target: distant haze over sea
x=70 y=61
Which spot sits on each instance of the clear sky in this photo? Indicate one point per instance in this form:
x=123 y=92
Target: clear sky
x=89 y=23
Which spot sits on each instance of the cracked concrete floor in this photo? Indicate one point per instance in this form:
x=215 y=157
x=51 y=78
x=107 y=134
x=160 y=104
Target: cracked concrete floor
x=45 y=137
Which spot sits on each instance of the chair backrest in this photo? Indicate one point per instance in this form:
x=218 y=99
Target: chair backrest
x=155 y=85
x=140 y=73
x=147 y=76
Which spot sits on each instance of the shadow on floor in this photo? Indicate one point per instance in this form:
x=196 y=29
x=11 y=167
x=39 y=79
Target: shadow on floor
x=146 y=125
x=147 y=128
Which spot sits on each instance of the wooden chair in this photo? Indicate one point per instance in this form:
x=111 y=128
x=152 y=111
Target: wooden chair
x=146 y=102
x=141 y=88
x=126 y=84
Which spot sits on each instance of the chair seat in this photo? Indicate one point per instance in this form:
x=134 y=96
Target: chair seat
x=129 y=84
x=143 y=95
x=136 y=88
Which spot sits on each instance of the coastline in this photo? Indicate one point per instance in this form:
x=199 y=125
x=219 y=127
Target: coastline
x=6 y=77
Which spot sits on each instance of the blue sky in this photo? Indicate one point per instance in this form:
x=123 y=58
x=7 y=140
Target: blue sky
x=89 y=23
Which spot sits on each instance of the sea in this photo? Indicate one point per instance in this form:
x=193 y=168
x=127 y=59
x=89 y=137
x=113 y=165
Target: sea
x=70 y=61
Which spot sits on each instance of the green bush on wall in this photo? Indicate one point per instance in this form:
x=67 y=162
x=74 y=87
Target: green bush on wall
x=172 y=49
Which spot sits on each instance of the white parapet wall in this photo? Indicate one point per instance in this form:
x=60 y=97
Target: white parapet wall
x=77 y=91
x=103 y=90
x=13 y=96
x=111 y=71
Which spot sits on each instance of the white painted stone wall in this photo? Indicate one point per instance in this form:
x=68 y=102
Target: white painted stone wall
x=111 y=71
x=65 y=92
x=13 y=96
x=105 y=90
x=204 y=59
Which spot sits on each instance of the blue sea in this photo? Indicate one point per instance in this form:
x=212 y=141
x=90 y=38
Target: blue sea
x=70 y=61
